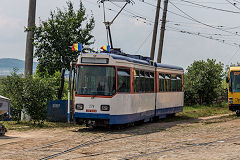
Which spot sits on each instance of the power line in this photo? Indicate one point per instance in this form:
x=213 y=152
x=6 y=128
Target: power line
x=220 y=3
x=236 y=1
x=219 y=26
x=142 y=44
x=135 y=14
x=193 y=19
x=204 y=36
x=233 y=55
x=234 y=4
x=139 y=17
x=204 y=6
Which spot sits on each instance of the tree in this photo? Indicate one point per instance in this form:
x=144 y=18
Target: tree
x=12 y=87
x=55 y=36
x=36 y=93
x=30 y=93
x=203 y=81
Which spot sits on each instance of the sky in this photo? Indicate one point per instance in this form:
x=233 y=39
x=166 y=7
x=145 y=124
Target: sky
x=195 y=30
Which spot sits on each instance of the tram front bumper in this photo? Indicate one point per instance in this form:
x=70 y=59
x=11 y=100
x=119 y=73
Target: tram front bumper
x=234 y=107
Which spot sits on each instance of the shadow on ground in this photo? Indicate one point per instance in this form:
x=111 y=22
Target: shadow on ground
x=143 y=128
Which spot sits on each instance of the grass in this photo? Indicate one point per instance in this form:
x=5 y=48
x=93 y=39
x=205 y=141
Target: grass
x=204 y=111
x=23 y=125
x=189 y=112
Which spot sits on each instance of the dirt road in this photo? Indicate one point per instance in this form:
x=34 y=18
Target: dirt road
x=209 y=138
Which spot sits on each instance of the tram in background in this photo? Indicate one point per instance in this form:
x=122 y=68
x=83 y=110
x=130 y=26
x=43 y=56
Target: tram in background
x=234 y=89
x=113 y=89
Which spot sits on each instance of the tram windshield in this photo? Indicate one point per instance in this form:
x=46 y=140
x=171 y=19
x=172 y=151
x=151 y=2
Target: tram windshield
x=95 y=80
x=235 y=81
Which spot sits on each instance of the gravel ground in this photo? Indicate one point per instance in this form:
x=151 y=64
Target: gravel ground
x=206 y=138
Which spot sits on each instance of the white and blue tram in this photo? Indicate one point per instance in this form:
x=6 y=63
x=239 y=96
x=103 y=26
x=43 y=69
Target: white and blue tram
x=116 y=89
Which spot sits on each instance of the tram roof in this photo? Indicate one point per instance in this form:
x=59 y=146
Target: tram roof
x=139 y=59
x=129 y=59
x=234 y=68
x=160 y=65
x=4 y=98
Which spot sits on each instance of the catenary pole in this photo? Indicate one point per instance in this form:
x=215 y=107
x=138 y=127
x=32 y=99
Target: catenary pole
x=155 y=30
x=69 y=94
x=164 y=16
x=29 y=41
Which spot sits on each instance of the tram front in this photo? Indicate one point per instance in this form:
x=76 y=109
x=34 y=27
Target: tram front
x=95 y=87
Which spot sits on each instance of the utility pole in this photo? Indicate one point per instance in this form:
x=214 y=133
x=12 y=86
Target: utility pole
x=29 y=41
x=159 y=58
x=155 y=31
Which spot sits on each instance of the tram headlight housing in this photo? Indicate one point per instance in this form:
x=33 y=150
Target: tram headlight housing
x=105 y=108
x=79 y=106
x=230 y=100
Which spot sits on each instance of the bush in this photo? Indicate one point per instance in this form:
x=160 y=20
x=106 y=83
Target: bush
x=56 y=82
x=28 y=93
x=203 y=82
x=36 y=93
x=12 y=87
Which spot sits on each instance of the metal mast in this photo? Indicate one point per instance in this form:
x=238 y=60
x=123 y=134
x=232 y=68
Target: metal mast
x=29 y=42
x=155 y=31
x=160 y=49
x=109 y=23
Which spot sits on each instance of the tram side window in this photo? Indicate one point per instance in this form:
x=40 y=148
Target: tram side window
x=136 y=80
x=179 y=83
x=161 y=82
x=167 y=82
x=147 y=82
x=173 y=83
x=151 y=81
x=123 y=80
x=141 y=81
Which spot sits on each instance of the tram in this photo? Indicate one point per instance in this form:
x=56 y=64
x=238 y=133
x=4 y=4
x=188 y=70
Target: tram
x=234 y=89
x=113 y=89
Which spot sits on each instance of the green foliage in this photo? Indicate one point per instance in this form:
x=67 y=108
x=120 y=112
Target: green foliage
x=25 y=125
x=56 y=80
x=28 y=93
x=12 y=87
x=55 y=36
x=36 y=93
x=203 y=82
x=204 y=111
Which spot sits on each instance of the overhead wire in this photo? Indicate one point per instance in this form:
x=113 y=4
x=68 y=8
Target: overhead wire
x=209 y=7
x=234 y=4
x=193 y=19
x=219 y=26
x=207 y=2
x=138 y=16
x=204 y=36
x=236 y=1
x=237 y=51
x=145 y=40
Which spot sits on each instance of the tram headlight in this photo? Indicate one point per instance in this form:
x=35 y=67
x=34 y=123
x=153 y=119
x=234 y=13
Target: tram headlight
x=79 y=106
x=105 y=108
x=230 y=100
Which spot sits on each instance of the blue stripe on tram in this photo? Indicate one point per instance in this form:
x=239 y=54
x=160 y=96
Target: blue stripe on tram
x=128 y=118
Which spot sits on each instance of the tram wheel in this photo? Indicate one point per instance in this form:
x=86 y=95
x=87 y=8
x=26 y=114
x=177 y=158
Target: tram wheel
x=238 y=113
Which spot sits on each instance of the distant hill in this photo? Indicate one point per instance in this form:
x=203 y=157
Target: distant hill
x=8 y=64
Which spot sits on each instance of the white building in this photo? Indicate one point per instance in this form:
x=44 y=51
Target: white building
x=4 y=105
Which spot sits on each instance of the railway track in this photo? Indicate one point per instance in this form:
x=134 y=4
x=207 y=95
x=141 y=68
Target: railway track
x=93 y=141
x=58 y=149
x=102 y=139
x=187 y=145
